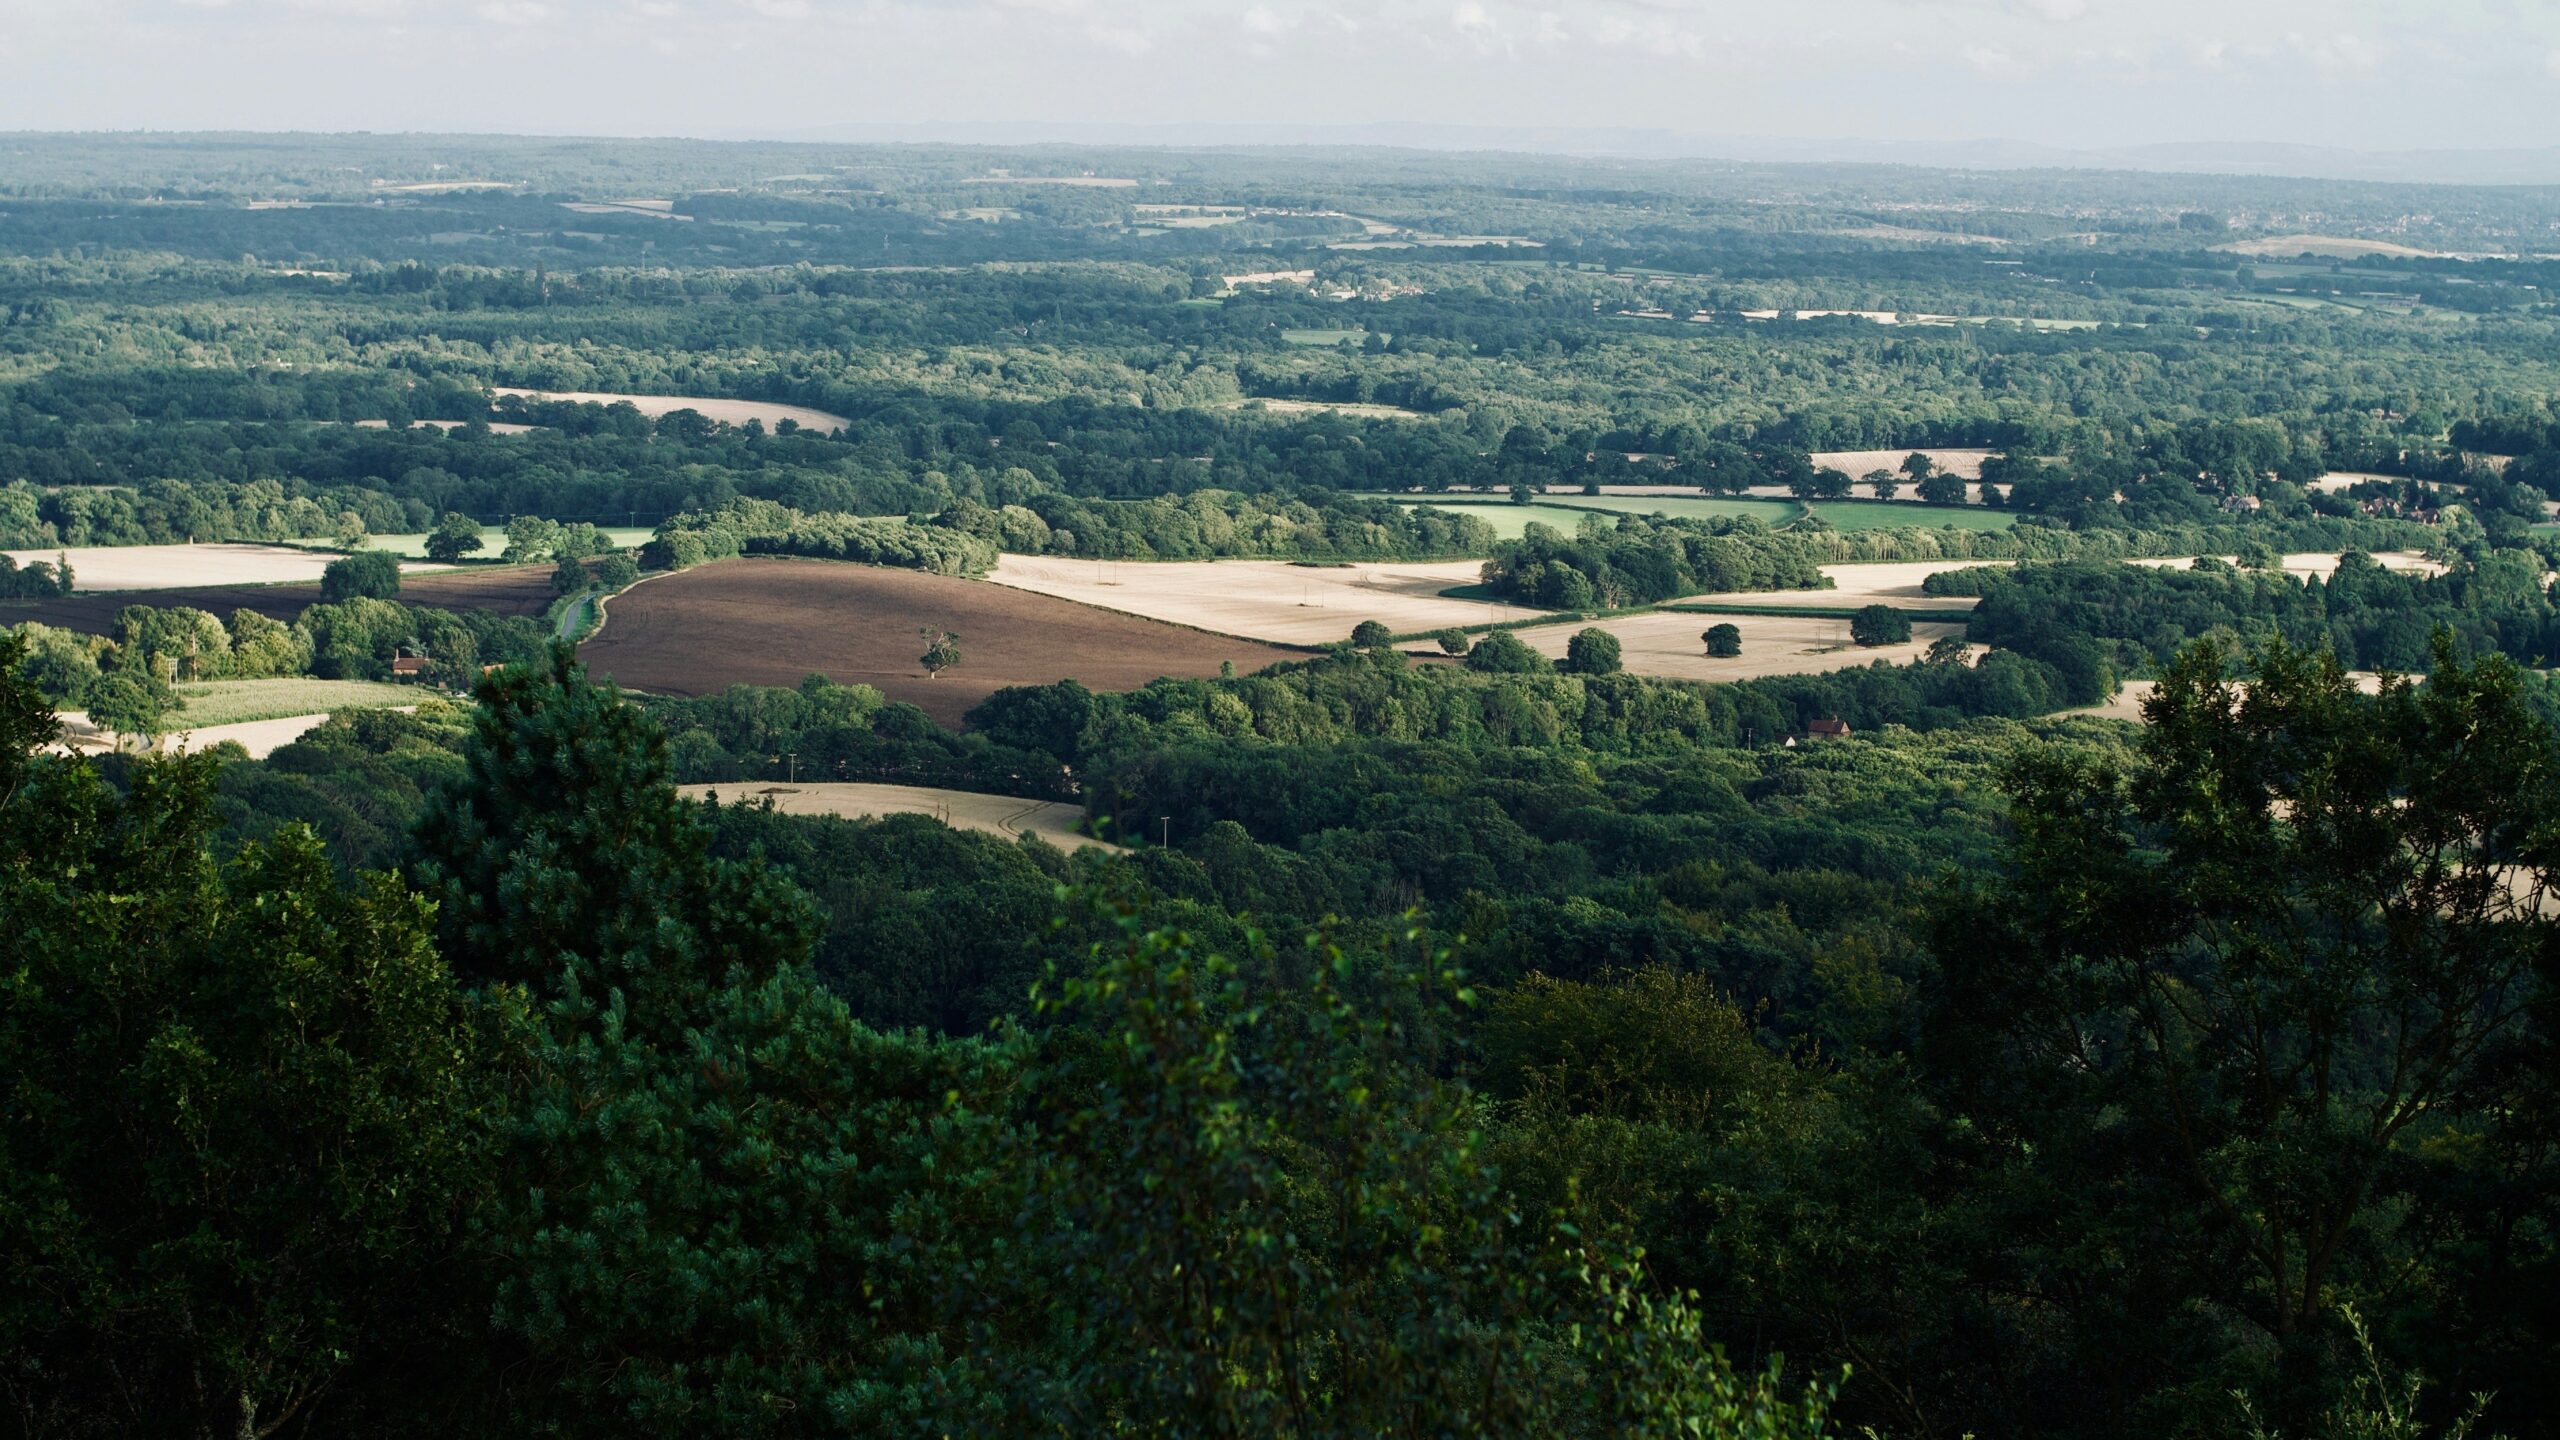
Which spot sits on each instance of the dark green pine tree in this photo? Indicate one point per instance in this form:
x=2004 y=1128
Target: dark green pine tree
x=727 y=1207
x=237 y=1117
x=565 y=855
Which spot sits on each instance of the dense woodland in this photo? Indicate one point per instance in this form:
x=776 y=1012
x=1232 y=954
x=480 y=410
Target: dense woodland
x=1479 y=1046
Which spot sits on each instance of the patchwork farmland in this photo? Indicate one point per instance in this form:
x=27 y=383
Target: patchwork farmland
x=772 y=622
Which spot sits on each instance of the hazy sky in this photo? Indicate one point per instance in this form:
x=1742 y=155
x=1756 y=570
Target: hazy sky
x=2360 y=73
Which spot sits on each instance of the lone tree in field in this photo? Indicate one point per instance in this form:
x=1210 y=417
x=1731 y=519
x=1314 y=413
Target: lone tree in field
x=1453 y=641
x=1370 y=635
x=455 y=536
x=1879 y=625
x=1948 y=650
x=1502 y=653
x=1591 y=652
x=1885 y=483
x=1723 y=641
x=941 y=651
x=372 y=575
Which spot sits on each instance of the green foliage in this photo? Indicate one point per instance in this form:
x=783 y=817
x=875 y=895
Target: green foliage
x=241 y=1119
x=59 y=664
x=455 y=535
x=1452 y=640
x=941 y=651
x=759 y=527
x=1591 y=652
x=1723 y=640
x=1502 y=653
x=134 y=705
x=2369 y=617
x=1370 y=635
x=1879 y=625
x=555 y=856
x=372 y=575
x=1274 y=1222
x=2261 y=974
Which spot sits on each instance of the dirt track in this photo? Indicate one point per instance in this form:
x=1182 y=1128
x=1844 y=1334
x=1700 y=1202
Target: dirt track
x=772 y=622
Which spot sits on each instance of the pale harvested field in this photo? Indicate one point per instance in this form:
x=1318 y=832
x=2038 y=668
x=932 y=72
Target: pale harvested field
x=1266 y=599
x=496 y=427
x=2317 y=562
x=729 y=412
x=1894 y=582
x=1964 y=462
x=2335 y=247
x=177 y=567
x=261 y=738
x=2128 y=702
x=1352 y=408
x=1087 y=182
x=1671 y=645
x=2350 y=479
x=1002 y=815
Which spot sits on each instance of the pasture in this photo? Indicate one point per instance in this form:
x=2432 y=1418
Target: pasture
x=1898 y=514
x=179 y=567
x=235 y=702
x=1266 y=599
x=1681 y=507
x=727 y=412
x=1669 y=644
x=1000 y=815
x=774 y=621
x=1507 y=519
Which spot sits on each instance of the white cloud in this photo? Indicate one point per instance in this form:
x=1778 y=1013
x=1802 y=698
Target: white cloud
x=2338 y=54
x=514 y=12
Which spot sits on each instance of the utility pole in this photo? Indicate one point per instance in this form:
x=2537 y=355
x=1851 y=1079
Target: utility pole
x=1166 y=821
x=793 y=759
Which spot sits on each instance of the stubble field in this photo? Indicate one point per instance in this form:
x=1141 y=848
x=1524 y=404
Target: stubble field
x=1268 y=599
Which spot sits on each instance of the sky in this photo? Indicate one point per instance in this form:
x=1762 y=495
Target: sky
x=2358 y=74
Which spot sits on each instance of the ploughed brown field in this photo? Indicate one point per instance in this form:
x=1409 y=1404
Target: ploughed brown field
x=773 y=621
x=515 y=590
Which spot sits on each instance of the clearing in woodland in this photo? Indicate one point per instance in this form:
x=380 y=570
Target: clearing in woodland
x=728 y=412
x=1004 y=815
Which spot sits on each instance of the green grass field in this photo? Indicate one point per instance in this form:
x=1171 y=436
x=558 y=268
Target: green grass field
x=1682 y=507
x=1352 y=336
x=232 y=702
x=1897 y=514
x=1507 y=519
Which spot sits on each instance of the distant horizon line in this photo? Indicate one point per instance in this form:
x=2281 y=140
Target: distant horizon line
x=2509 y=165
